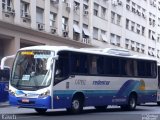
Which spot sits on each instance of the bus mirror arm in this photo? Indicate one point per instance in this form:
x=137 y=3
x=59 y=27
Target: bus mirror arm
x=4 y=60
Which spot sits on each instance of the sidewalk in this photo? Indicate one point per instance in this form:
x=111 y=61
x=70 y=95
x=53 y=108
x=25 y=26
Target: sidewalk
x=4 y=104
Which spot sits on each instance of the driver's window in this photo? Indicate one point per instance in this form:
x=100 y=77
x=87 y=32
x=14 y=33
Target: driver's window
x=62 y=67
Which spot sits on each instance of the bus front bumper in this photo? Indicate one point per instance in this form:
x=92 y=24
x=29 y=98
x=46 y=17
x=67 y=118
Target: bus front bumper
x=44 y=103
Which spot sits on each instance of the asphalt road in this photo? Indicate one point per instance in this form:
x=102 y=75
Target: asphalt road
x=144 y=112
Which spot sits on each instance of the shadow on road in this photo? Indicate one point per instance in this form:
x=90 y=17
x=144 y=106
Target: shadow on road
x=86 y=111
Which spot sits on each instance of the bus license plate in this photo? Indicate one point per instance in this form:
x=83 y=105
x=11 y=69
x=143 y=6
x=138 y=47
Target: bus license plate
x=25 y=100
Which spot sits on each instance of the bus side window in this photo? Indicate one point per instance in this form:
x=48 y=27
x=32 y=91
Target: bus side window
x=93 y=65
x=79 y=63
x=100 y=65
x=129 y=67
x=112 y=66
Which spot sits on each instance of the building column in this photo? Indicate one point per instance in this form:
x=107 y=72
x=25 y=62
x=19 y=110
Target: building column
x=17 y=11
x=12 y=47
x=70 y=21
x=59 y=18
x=81 y=20
x=0 y=9
x=47 y=15
x=90 y=15
x=33 y=14
x=123 y=24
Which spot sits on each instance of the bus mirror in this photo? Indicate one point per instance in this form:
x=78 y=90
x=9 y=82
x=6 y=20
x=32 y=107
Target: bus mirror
x=4 y=74
x=56 y=57
x=49 y=63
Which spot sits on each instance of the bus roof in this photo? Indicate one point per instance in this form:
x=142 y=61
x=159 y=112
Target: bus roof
x=99 y=51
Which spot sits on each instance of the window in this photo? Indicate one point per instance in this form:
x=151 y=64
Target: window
x=143 y=30
x=149 y=33
x=158 y=37
x=143 y=48
x=7 y=5
x=132 y=26
x=76 y=5
x=24 y=9
x=39 y=15
x=138 y=29
x=95 y=11
x=53 y=19
x=95 y=33
x=86 y=33
x=76 y=29
x=96 y=65
x=127 y=24
x=64 y=24
x=85 y=1
x=85 y=9
x=104 y=36
x=112 y=17
x=138 y=47
x=132 y=45
x=118 y=19
x=127 y=43
x=79 y=63
x=146 y=68
x=127 y=67
x=62 y=67
x=111 y=66
x=118 y=38
x=153 y=36
x=103 y=12
x=112 y=38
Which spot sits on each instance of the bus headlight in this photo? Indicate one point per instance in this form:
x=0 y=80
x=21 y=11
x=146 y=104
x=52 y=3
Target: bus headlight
x=45 y=94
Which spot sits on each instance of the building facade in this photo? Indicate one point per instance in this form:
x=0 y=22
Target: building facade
x=129 y=24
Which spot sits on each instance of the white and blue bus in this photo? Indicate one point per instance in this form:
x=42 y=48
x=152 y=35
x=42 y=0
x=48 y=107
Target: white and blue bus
x=52 y=77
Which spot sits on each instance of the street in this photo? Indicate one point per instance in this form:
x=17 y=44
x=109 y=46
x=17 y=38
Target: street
x=143 y=112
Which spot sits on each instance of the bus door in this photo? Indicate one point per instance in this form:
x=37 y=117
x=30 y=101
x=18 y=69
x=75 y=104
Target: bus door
x=4 y=83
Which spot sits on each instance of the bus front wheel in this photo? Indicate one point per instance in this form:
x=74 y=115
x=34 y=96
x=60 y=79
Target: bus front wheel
x=158 y=103
x=40 y=110
x=76 y=105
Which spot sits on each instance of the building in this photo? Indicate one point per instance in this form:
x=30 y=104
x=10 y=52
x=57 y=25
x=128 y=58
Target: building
x=129 y=24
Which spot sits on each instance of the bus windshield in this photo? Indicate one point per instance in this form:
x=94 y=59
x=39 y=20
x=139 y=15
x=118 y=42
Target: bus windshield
x=30 y=71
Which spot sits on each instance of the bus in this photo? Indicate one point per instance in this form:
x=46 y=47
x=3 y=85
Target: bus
x=4 y=84
x=53 y=77
x=158 y=92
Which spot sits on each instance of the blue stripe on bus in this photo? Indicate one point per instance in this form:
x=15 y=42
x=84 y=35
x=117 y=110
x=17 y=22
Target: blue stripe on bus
x=62 y=99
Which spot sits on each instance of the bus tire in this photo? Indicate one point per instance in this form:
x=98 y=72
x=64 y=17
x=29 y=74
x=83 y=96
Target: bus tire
x=158 y=103
x=40 y=110
x=132 y=103
x=76 y=105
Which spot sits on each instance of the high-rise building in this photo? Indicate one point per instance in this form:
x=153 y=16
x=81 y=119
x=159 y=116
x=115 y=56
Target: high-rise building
x=129 y=24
